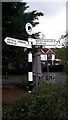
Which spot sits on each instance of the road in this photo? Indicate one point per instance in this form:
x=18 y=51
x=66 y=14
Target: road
x=60 y=77
x=11 y=81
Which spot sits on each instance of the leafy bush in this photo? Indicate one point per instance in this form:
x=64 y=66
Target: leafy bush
x=49 y=103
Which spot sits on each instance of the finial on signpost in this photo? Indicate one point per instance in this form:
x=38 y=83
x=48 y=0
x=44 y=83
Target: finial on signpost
x=29 y=28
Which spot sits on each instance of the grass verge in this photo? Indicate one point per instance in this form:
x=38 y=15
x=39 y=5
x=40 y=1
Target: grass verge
x=49 y=103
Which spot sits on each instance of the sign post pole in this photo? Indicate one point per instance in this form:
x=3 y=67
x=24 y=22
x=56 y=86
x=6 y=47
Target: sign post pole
x=30 y=73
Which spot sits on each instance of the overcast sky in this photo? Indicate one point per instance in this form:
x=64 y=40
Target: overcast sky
x=53 y=23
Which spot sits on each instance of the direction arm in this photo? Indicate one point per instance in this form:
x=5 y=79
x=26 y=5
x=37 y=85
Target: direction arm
x=17 y=42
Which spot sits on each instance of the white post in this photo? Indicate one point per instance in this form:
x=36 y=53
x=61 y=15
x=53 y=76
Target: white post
x=30 y=73
x=29 y=30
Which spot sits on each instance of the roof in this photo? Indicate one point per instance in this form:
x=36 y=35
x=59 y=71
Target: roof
x=47 y=51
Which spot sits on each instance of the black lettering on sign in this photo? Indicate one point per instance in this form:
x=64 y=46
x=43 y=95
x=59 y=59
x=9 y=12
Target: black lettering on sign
x=20 y=41
x=10 y=41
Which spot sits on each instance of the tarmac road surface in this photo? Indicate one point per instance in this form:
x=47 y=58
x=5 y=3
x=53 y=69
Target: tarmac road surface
x=60 y=77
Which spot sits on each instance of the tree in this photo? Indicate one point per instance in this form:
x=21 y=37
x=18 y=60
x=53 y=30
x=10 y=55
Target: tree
x=61 y=52
x=14 y=19
x=65 y=37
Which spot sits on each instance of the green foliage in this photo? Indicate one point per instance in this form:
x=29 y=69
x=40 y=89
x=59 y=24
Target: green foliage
x=61 y=52
x=67 y=53
x=49 y=103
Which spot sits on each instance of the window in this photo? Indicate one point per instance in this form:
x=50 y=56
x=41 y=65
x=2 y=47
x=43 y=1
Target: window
x=49 y=56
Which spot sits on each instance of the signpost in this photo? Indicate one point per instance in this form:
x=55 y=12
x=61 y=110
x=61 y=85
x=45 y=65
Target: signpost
x=28 y=44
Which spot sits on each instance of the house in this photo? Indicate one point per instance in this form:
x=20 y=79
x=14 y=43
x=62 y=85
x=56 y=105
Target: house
x=44 y=56
x=47 y=55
